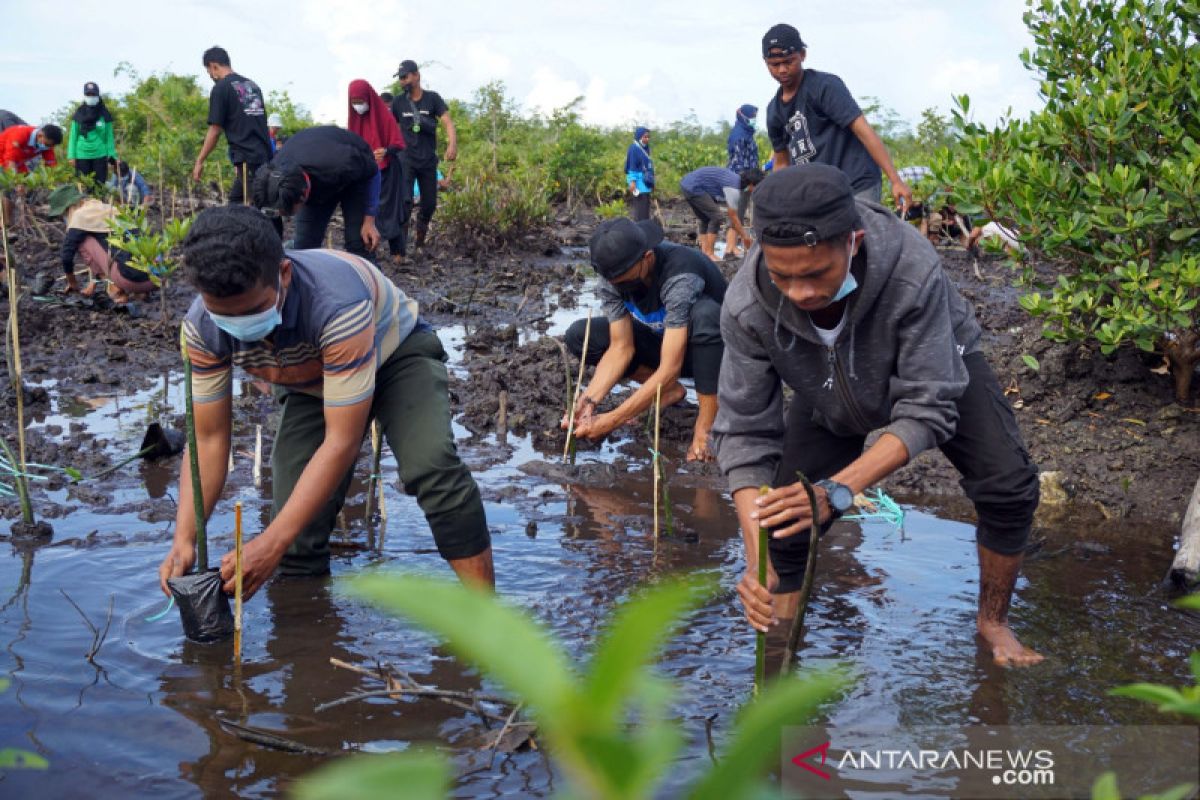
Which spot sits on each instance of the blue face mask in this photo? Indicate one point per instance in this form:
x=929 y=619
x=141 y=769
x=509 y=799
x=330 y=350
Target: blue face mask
x=251 y=327
x=849 y=284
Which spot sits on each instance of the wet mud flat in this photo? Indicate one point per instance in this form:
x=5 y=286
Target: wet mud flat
x=569 y=542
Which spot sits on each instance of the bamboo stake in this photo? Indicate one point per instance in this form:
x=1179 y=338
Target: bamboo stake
x=568 y=451
x=375 y=458
x=502 y=418
x=237 y=581
x=655 y=457
x=760 y=638
x=194 y=459
x=245 y=189
x=810 y=567
x=18 y=382
x=162 y=187
x=258 y=456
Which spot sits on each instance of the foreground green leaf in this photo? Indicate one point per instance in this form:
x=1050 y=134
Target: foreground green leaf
x=413 y=776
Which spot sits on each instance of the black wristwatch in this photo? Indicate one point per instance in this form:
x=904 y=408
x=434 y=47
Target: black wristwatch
x=841 y=499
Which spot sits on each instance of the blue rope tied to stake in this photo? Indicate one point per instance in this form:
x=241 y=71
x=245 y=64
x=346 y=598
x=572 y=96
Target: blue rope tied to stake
x=886 y=510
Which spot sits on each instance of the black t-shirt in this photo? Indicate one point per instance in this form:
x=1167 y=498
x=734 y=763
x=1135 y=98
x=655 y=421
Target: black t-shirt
x=815 y=126
x=236 y=104
x=420 y=146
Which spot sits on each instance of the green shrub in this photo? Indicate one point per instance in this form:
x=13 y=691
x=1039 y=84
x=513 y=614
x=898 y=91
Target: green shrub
x=612 y=209
x=611 y=731
x=1104 y=181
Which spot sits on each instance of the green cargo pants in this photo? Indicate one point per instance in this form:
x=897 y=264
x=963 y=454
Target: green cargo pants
x=412 y=404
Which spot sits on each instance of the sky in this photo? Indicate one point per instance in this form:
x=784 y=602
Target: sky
x=633 y=62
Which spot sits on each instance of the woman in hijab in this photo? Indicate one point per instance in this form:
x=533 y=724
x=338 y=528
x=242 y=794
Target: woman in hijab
x=743 y=155
x=639 y=174
x=90 y=143
x=371 y=119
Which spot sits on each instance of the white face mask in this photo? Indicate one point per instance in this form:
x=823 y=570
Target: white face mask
x=360 y=108
x=850 y=283
x=91 y=100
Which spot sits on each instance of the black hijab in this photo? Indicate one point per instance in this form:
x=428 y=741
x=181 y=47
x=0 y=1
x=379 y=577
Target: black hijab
x=86 y=116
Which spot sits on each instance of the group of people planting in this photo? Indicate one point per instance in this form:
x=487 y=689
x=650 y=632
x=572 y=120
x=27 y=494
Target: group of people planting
x=838 y=301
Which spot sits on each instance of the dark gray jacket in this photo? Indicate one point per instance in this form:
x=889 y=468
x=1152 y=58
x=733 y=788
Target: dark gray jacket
x=897 y=363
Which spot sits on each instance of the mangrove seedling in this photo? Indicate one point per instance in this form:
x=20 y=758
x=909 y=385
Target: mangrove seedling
x=810 y=568
x=152 y=254
x=193 y=459
x=760 y=638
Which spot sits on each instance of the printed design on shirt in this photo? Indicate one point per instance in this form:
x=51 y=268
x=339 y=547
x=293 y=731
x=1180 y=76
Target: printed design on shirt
x=249 y=98
x=801 y=148
x=654 y=320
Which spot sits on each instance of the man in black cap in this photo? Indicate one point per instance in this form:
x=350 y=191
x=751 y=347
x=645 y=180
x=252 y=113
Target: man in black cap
x=662 y=308
x=849 y=307
x=418 y=113
x=813 y=117
x=322 y=168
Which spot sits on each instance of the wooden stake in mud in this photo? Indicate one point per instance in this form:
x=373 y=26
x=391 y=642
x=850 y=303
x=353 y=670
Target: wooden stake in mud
x=760 y=638
x=18 y=382
x=194 y=459
x=237 y=581
x=258 y=456
x=569 y=447
x=245 y=185
x=654 y=455
x=810 y=567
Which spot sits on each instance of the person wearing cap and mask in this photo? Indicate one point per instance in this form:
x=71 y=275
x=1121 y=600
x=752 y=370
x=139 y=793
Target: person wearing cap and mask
x=813 y=117
x=373 y=121
x=87 y=236
x=418 y=112
x=342 y=345
x=235 y=107
x=639 y=174
x=321 y=169
x=90 y=142
x=662 y=308
x=848 y=306
x=22 y=146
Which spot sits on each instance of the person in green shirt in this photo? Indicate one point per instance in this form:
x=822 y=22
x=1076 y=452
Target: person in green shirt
x=90 y=143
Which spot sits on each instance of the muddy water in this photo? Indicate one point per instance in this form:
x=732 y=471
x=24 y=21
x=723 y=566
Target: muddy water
x=144 y=718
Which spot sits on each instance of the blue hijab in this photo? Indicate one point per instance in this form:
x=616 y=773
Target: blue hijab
x=741 y=126
x=637 y=159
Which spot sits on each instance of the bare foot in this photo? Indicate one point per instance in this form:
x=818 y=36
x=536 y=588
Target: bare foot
x=1007 y=651
x=117 y=294
x=89 y=290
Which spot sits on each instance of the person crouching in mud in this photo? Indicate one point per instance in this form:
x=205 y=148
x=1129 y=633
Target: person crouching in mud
x=850 y=307
x=342 y=345
x=662 y=307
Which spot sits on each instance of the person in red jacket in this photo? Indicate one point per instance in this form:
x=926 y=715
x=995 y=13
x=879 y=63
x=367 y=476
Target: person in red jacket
x=20 y=144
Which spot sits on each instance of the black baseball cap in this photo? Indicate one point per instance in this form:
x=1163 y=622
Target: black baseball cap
x=407 y=66
x=805 y=204
x=90 y=88
x=782 y=38
x=618 y=243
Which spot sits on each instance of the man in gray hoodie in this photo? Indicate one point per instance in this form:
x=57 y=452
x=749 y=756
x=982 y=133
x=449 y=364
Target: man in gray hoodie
x=849 y=307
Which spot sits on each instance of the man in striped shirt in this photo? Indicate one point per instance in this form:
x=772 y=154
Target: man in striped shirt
x=342 y=345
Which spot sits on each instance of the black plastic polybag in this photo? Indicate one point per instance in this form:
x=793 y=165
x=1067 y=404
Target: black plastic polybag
x=160 y=442
x=203 y=607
